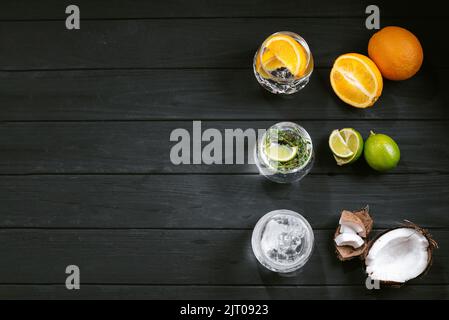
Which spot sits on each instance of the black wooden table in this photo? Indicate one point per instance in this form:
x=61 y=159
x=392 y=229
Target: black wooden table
x=86 y=177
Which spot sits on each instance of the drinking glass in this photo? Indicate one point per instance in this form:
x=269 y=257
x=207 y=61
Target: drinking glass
x=282 y=241
x=284 y=137
x=271 y=71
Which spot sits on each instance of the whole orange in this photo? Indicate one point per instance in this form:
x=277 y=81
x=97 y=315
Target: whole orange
x=397 y=53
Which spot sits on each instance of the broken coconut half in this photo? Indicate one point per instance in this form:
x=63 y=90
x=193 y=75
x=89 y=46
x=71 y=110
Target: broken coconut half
x=350 y=236
x=399 y=255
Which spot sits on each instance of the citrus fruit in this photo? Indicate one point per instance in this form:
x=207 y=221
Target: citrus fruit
x=338 y=145
x=281 y=153
x=288 y=53
x=272 y=63
x=397 y=52
x=351 y=139
x=260 y=69
x=381 y=152
x=356 y=80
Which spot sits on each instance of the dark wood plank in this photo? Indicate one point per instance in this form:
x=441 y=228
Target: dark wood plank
x=144 y=147
x=127 y=292
x=203 y=94
x=174 y=257
x=208 y=201
x=54 y=9
x=205 y=43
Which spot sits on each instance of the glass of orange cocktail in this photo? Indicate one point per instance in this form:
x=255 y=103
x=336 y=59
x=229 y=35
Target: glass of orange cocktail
x=283 y=64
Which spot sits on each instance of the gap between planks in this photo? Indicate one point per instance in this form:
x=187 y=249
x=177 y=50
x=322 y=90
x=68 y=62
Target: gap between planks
x=433 y=173
x=325 y=17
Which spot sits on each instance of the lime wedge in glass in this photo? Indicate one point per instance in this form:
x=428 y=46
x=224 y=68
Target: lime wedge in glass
x=281 y=153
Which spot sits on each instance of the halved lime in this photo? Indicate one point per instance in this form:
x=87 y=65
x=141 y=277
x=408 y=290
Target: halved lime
x=281 y=153
x=354 y=141
x=339 y=146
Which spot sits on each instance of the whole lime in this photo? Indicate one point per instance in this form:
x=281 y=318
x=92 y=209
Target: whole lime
x=381 y=152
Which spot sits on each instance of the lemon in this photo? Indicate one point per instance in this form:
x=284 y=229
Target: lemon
x=346 y=145
x=381 y=152
x=281 y=153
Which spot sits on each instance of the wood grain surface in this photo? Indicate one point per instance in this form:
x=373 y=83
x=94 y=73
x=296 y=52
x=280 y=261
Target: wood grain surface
x=85 y=170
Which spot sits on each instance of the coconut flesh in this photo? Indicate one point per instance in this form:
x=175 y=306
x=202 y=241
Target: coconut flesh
x=350 y=223
x=399 y=255
x=350 y=236
x=394 y=257
x=349 y=239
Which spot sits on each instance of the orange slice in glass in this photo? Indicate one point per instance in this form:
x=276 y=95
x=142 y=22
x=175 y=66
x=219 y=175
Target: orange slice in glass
x=288 y=52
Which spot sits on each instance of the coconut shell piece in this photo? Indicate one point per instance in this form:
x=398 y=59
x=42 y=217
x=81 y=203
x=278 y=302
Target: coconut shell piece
x=348 y=217
x=364 y=216
x=363 y=219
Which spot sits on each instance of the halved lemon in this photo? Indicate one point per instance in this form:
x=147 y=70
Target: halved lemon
x=287 y=51
x=281 y=153
x=356 y=80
